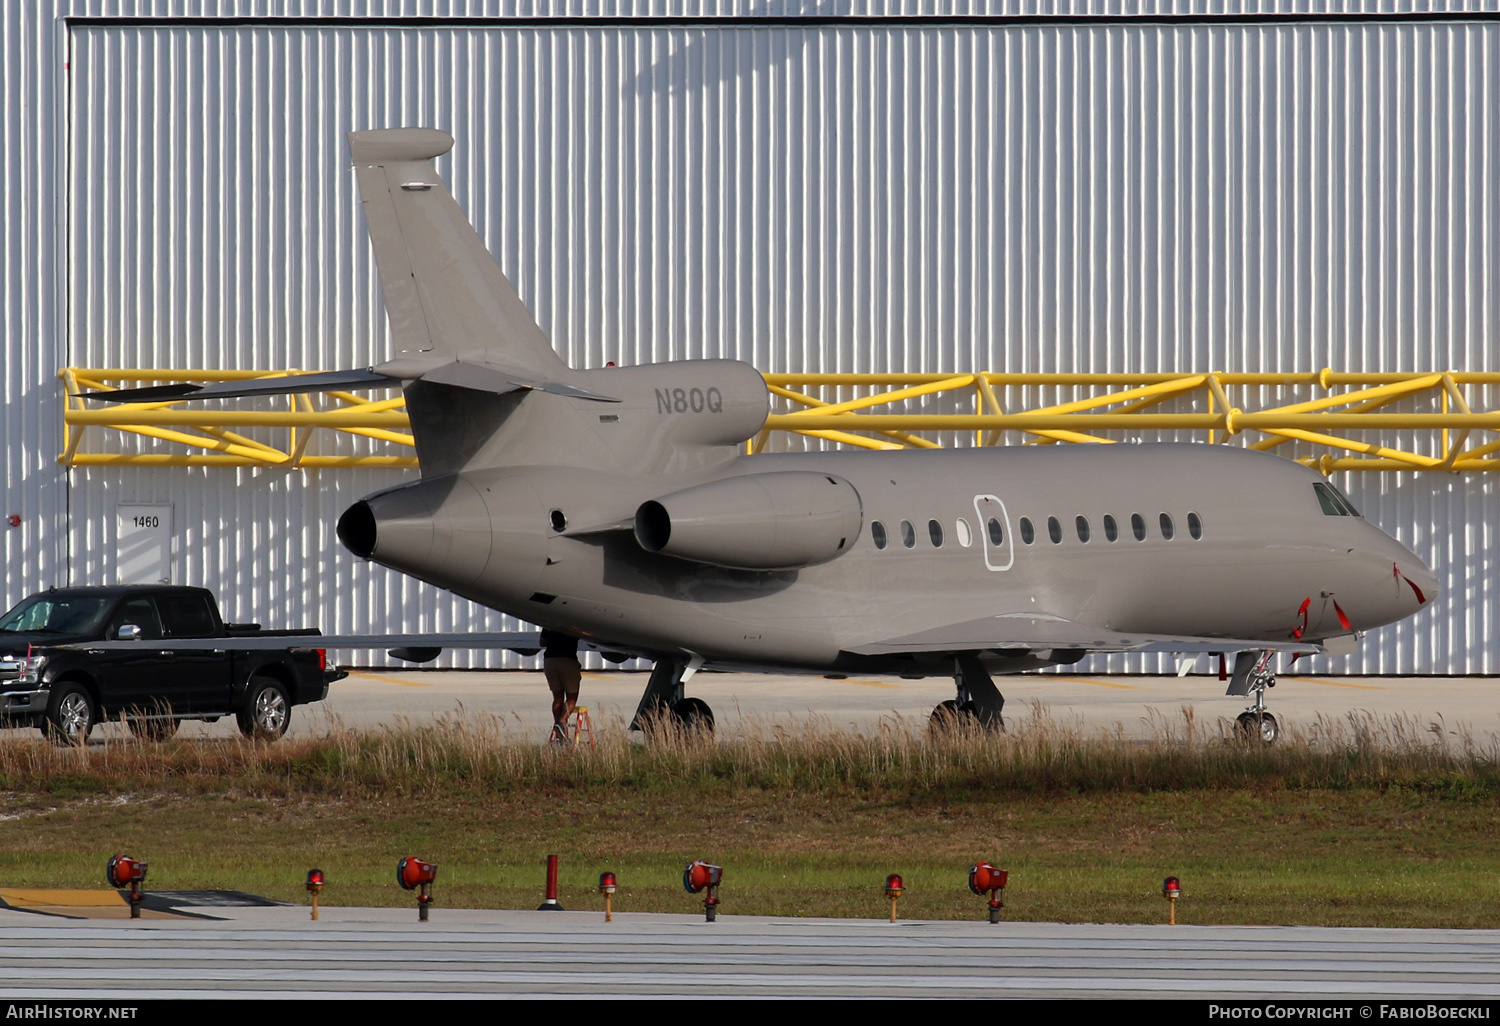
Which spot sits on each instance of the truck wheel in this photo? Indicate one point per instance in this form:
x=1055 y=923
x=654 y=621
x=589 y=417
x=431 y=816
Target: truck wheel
x=266 y=709
x=153 y=730
x=70 y=715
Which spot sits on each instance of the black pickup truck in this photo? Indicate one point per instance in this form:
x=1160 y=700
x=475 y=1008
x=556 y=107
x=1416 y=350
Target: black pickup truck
x=51 y=677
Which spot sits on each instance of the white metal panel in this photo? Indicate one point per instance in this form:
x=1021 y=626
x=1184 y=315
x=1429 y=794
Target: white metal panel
x=1088 y=197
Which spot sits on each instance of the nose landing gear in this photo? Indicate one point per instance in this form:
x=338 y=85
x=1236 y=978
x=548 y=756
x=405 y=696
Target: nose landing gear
x=1252 y=676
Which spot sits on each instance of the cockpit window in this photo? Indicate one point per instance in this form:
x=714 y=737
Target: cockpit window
x=1333 y=502
x=1345 y=500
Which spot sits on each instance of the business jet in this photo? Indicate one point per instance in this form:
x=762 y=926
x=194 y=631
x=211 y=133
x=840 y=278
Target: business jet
x=617 y=504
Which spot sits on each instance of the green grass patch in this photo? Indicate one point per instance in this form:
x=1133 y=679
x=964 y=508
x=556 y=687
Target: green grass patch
x=1353 y=823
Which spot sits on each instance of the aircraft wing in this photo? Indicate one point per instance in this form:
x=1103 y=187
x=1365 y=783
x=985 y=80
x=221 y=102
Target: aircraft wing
x=519 y=640
x=1032 y=632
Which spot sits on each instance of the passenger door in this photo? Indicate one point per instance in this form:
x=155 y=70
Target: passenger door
x=994 y=532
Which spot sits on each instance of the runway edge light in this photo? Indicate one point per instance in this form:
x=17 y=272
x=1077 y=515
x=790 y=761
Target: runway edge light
x=315 y=888
x=1171 y=889
x=123 y=871
x=414 y=874
x=699 y=877
x=607 y=888
x=893 y=889
x=986 y=879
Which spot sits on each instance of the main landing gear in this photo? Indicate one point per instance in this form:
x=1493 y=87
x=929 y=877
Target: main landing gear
x=978 y=703
x=664 y=699
x=1252 y=676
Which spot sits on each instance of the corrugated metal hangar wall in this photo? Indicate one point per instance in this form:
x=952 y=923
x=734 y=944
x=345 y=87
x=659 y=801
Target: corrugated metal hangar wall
x=838 y=187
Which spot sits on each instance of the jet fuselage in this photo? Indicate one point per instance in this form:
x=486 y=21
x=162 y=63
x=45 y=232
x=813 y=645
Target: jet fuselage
x=1207 y=541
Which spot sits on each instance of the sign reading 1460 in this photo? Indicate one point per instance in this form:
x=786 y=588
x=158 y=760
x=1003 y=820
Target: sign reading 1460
x=152 y=521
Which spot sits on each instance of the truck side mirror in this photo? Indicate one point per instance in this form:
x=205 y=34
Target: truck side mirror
x=129 y=632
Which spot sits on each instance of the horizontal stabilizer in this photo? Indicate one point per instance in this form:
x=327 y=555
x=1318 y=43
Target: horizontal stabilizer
x=478 y=377
x=1030 y=632
x=288 y=385
x=483 y=377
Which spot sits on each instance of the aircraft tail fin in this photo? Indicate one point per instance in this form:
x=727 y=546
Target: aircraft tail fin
x=444 y=293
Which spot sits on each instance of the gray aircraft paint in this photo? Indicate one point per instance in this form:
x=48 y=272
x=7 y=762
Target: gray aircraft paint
x=531 y=495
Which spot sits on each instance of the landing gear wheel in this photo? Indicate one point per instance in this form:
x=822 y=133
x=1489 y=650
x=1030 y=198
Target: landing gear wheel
x=70 y=715
x=265 y=711
x=951 y=718
x=693 y=715
x=153 y=730
x=1262 y=727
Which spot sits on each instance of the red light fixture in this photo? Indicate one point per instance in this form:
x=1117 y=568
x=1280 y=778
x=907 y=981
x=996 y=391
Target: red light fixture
x=414 y=874
x=315 y=888
x=123 y=871
x=893 y=889
x=1171 y=889
x=700 y=877
x=607 y=888
x=14 y=520
x=986 y=879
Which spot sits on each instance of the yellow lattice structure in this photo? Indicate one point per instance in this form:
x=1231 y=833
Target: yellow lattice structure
x=1128 y=404
x=854 y=409
x=208 y=430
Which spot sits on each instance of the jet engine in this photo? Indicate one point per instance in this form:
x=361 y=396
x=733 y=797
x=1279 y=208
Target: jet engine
x=777 y=521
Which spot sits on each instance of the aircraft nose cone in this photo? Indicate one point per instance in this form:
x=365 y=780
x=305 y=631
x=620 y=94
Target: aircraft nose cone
x=1419 y=580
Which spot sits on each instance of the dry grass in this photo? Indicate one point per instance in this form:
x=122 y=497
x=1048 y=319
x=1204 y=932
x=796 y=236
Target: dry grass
x=1360 y=820
x=1036 y=754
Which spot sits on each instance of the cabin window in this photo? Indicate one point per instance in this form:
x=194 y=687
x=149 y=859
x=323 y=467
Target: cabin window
x=1028 y=533
x=1166 y=526
x=935 y=532
x=877 y=531
x=962 y=532
x=1082 y=524
x=997 y=533
x=1195 y=526
x=908 y=534
x=1138 y=526
x=1054 y=530
x=1111 y=529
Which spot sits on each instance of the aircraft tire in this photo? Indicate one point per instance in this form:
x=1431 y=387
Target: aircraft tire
x=693 y=715
x=1262 y=727
x=950 y=717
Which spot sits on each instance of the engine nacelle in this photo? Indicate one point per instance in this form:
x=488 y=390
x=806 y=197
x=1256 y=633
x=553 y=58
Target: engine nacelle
x=777 y=521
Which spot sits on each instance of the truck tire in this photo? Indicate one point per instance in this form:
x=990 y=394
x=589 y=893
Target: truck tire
x=266 y=709
x=71 y=714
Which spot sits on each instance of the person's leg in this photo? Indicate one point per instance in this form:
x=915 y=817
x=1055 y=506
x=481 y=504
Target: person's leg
x=555 y=670
x=572 y=679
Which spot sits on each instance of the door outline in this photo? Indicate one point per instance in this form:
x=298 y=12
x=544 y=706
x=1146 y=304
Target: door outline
x=1009 y=544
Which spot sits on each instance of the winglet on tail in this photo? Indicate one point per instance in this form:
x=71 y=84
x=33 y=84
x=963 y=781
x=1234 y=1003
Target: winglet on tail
x=444 y=293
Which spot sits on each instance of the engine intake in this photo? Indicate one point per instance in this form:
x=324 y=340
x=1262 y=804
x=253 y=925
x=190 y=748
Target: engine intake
x=777 y=521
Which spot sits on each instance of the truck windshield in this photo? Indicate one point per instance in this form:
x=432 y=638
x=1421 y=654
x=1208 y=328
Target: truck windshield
x=56 y=614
